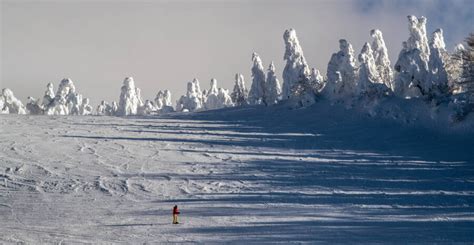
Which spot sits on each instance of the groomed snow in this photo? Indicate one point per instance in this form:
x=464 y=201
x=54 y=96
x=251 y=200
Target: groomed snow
x=239 y=175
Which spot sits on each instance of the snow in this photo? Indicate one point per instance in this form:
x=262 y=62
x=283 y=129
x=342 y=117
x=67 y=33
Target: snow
x=257 y=90
x=296 y=69
x=321 y=174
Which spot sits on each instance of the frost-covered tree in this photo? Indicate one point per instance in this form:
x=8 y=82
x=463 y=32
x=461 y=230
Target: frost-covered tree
x=382 y=62
x=148 y=108
x=130 y=99
x=454 y=69
x=217 y=97
x=66 y=101
x=257 y=90
x=370 y=83
x=303 y=93
x=48 y=97
x=272 y=86
x=11 y=104
x=240 y=93
x=86 y=108
x=193 y=100
x=465 y=60
x=296 y=69
x=163 y=101
x=342 y=72
x=224 y=98
x=3 y=109
x=438 y=61
x=412 y=64
x=34 y=107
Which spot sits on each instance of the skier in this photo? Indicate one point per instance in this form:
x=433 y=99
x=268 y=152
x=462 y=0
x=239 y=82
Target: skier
x=175 y=214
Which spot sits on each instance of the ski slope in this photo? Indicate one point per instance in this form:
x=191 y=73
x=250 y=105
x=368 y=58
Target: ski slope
x=238 y=175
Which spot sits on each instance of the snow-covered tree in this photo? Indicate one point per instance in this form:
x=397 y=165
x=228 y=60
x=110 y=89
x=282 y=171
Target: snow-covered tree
x=148 y=108
x=102 y=108
x=66 y=101
x=48 y=97
x=34 y=107
x=296 y=69
x=412 y=64
x=369 y=82
x=86 y=108
x=272 y=86
x=439 y=58
x=3 y=109
x=454 y=69
x=163 y=101
x=240 y=93
x=257 y=90
x=224 y=98
x=342 y=72
x=382 y=62
x=217 y=97
x=193 y=100
x=130 y=98
x=11 y=104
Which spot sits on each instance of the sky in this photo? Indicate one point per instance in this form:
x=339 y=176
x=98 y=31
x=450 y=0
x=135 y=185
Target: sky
x=164 y=44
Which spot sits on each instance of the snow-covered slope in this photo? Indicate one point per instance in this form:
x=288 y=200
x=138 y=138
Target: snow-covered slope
x=247 y=174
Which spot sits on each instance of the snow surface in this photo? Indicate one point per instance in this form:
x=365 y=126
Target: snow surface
x=247 y=174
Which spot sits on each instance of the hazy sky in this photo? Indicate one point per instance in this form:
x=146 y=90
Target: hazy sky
x=164 y=44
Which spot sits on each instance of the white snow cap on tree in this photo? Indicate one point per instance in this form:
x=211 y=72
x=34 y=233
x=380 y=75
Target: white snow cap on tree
x=240 y=93
x=217 y=97
x=11 y=104
x=382 y=62
x=342 y=72
x=273 y=87
x=412 y=63
x=129 y=98
x=439 y=59
x=257 y=90
x=296 y=69
x=193 y=100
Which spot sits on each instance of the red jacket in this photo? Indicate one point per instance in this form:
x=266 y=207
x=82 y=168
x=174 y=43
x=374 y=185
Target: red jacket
x=175 y=210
